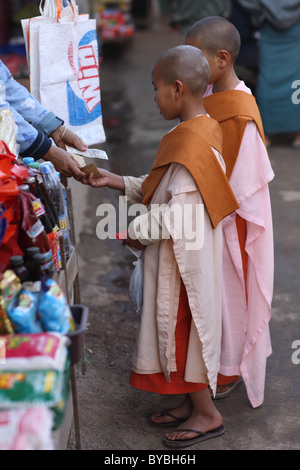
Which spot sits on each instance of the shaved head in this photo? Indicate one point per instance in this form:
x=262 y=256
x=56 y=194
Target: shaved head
x=187 y=64
x=213 y=34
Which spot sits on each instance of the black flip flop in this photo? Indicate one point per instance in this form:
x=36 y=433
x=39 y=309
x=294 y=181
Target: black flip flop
x=202 y=436
x=171 y=424
x=232 y=386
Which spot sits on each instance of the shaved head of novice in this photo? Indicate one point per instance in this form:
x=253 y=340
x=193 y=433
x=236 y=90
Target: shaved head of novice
x=180 y=77
x=220 y=41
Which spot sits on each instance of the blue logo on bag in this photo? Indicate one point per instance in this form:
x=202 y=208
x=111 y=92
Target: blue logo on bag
x=87 y=107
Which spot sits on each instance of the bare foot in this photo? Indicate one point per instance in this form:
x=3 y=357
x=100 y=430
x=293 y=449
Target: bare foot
x=199 y=423
x=182 y=411
x=205 y=417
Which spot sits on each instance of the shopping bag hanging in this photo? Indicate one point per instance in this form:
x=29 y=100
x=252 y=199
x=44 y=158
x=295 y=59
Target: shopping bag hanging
x=58 y=9
x=68 y=63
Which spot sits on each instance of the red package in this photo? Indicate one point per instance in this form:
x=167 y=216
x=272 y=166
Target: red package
x=34 y=351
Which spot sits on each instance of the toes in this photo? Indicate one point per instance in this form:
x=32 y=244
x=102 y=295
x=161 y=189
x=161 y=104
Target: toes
x=179 y=435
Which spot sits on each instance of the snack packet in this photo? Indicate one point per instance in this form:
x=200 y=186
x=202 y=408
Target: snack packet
x=54 y=311
x=22 y=311
x=39 y=351
x=24 y=387
x=10 y=286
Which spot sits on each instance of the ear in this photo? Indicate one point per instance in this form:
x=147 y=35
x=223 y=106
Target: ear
x=223 y=58
x=178 y=88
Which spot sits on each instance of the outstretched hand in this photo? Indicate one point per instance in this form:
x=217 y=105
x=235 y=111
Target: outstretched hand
x=97 y=182
x=111 y=180
x=64 y=162
x=63 y=136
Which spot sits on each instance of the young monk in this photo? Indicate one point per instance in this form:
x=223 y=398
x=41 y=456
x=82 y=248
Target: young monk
x=178 y=345
x=248 y=263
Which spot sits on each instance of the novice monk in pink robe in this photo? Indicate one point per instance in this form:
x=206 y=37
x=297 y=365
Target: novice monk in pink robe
x=248 y=263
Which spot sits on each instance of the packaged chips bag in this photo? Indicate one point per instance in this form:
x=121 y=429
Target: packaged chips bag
x=54 y=311
x=10 y=286
x=22 y=311
x=48 y=350
x=32 y=371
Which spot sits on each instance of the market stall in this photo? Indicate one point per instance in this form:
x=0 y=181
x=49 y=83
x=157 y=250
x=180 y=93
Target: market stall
x=115 y=21
x=41 y=329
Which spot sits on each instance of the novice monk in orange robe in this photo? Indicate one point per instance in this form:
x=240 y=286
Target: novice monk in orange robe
x=186 y=192
x=248 y=264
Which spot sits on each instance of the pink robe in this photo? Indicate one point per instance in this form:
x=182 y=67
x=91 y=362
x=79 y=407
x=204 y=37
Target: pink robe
x=245 y=326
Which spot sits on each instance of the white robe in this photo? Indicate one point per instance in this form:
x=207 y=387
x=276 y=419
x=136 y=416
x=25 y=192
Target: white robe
x=168 y=261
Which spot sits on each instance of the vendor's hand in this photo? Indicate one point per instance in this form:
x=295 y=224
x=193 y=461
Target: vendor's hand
x=64 y=163
x=63 y=136
x=107 y=178
x=133 y=243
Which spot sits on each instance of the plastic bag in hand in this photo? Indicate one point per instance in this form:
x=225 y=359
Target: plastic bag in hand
x=136 y=280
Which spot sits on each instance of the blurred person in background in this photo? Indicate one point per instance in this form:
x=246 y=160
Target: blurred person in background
x=278 y=64
x=186 y=12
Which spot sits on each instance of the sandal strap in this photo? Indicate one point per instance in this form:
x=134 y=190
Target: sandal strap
x=191 y=430
x=166 y=413
x=171 y=416
x=200 y=433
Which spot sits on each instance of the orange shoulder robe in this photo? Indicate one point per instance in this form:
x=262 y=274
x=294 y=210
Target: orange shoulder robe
x=190 y=145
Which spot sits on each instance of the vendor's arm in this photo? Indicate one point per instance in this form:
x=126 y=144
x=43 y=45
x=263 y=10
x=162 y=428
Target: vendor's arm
x=33 y=143
x=25 y=105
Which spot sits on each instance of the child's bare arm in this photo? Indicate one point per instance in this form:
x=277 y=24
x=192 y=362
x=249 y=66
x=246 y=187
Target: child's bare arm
x=111 y=180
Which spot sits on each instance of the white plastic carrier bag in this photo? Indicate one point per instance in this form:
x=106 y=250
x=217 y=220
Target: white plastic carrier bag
x=136 y=282
x=62 y=52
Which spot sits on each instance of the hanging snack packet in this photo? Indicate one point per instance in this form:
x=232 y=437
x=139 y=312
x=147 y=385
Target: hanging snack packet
x=10 y=286
x=54 y=311
x=22 y=311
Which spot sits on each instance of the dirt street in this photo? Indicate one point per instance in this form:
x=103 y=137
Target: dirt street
x=112 y=413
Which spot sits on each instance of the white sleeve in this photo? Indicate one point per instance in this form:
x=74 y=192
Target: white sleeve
x=150 y=227
x=133 y=188
x=154 y=225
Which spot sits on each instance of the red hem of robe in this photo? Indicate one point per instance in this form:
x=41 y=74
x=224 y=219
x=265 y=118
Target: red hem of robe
x=157 y=382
